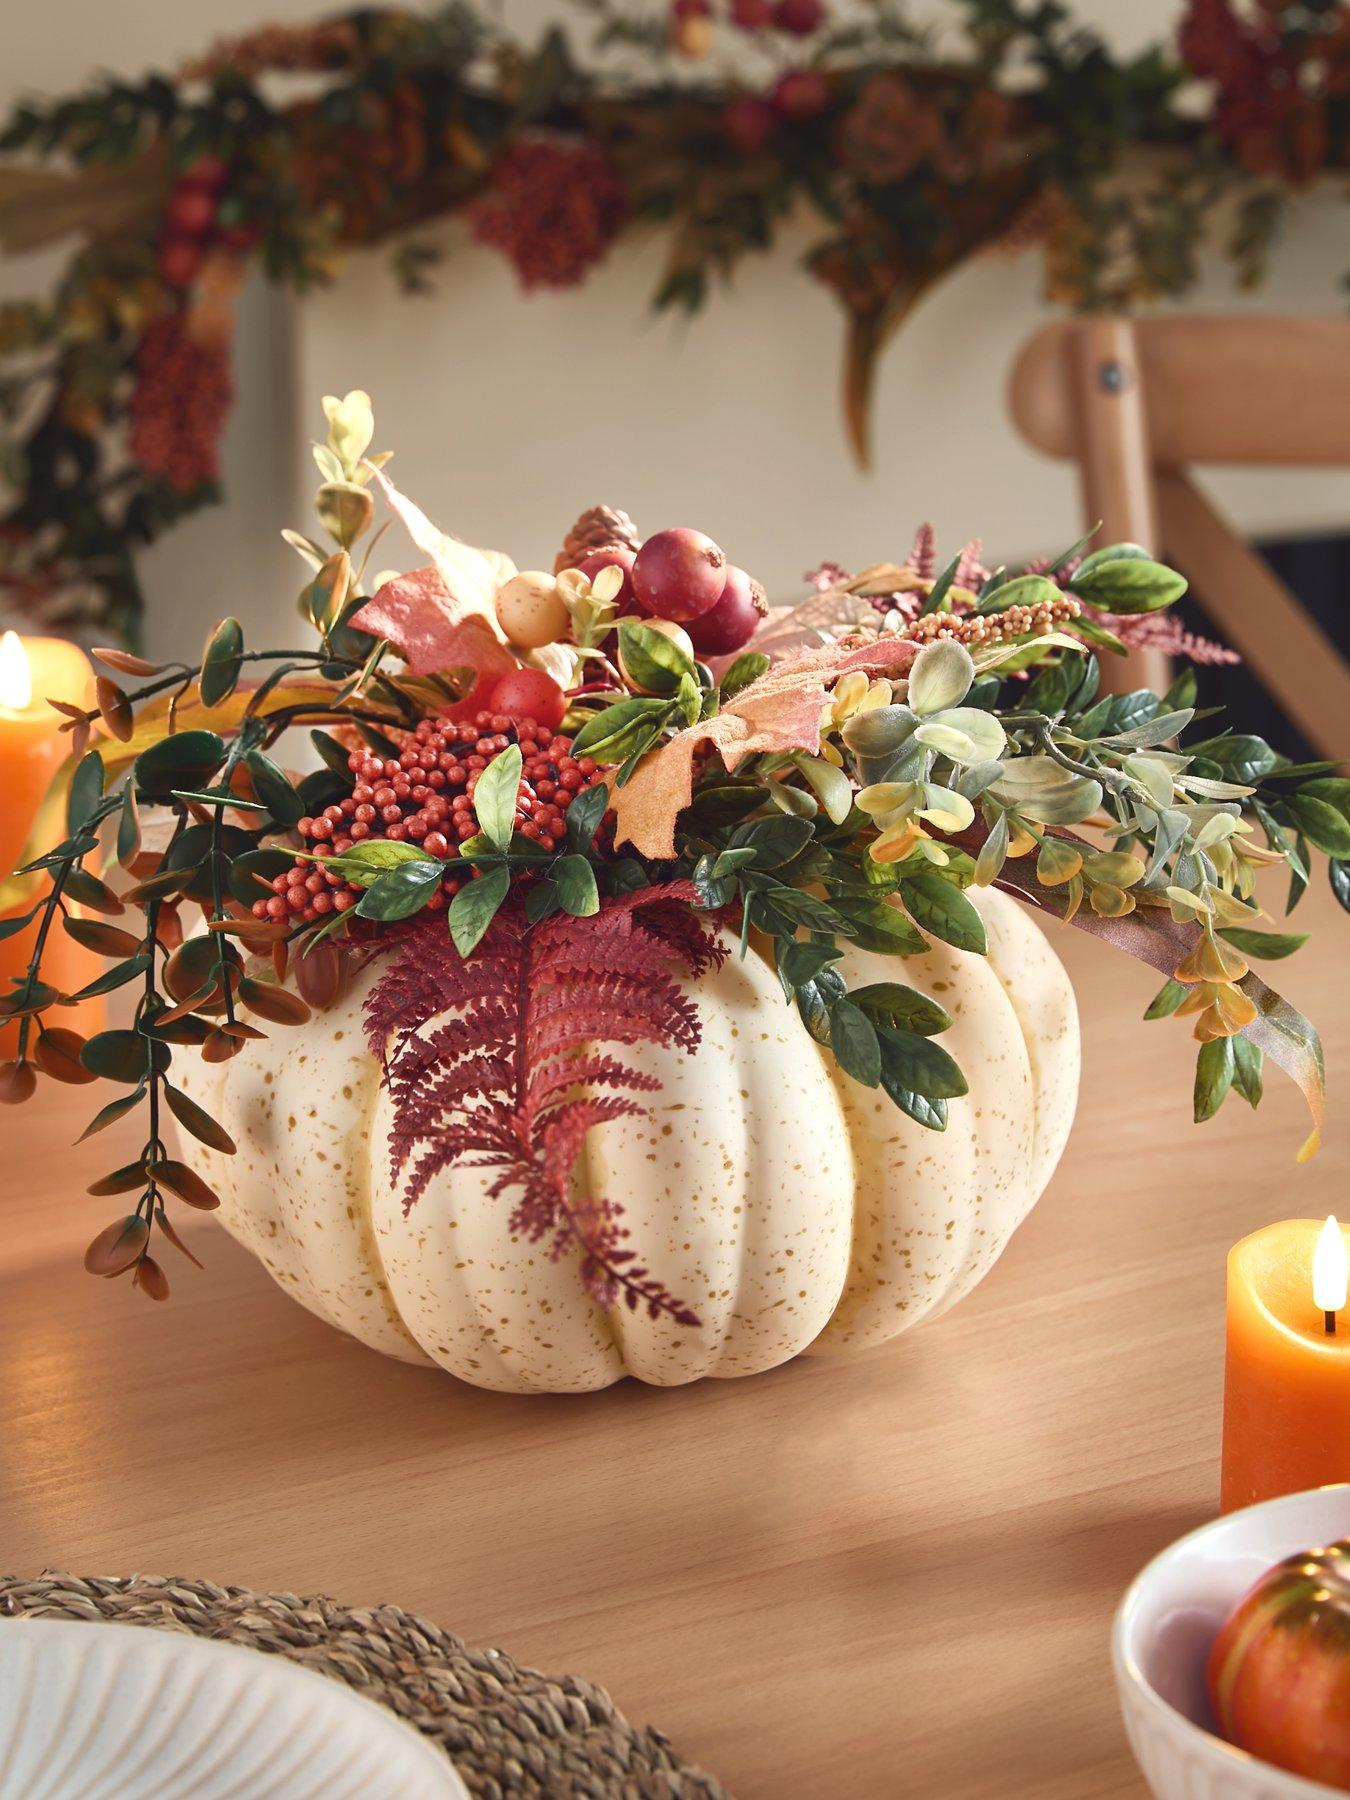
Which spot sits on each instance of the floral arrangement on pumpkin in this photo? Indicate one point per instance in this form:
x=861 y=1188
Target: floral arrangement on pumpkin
x=714 y=121
x=548 y=802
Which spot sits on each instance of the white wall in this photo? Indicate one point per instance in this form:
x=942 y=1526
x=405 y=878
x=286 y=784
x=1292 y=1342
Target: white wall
x=508 y=414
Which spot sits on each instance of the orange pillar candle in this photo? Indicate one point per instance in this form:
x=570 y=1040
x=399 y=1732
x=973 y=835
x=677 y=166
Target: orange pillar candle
x=31 y=750
x=1286 y=1400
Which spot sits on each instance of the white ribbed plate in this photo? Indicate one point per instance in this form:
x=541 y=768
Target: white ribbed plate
x=124 y=1712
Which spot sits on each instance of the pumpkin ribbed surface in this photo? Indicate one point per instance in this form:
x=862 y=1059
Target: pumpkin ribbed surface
x=794 y=1210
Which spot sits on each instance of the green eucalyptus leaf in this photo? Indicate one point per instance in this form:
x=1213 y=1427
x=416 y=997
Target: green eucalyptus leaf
x=474 y=908
x=86 y=790
x=1124 y=551
x=12 y=927
x=930 y=1113
x=609 y=735
x=853 y=1040
x=1021 y=590
x=883 y=929
x=775 y=841
x=198 y=1122
x=940 y=677
x=831 y=786
x=130 y=970
x=1182 y=693
x=814 y=1000
x=574 y=879
x=1339 y=873
x=1127 y=584
x=400 y=892
x=186 y=759
x=222 y=661
x=1271 y=946
x=800 y=963
x=748 y=667
x=651 y=660
x=128 y=827
x=1167 y=999
x=542 y=901
x=123 y=1056
x=993 y=853
x=1151 y=732
x=111 y=1113
x=494 y=797
x=331 y=753
x=1213 y=1077
x=966 y=734
x=1321 y=823
x=584 y=815
x=1248 y=1065
x=1240 y=757
x=918 y=1065
x=937 y=594
x=942 y=909
x=891 y=1003
x=274 y=789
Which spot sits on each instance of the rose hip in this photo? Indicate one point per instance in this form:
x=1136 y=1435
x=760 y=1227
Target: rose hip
x=679 y=574
x=733 y=621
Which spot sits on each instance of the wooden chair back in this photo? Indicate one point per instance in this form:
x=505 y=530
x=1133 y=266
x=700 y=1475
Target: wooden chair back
x=1136 y=402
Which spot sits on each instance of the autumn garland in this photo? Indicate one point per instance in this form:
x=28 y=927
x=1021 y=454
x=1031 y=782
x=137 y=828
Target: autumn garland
x=550 y=802
x=117 y=384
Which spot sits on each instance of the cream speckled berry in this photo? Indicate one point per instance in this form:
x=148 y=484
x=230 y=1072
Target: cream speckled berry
x=794 y=1210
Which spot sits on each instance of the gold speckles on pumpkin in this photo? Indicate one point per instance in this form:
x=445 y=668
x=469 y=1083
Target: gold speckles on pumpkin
x=759 y=1151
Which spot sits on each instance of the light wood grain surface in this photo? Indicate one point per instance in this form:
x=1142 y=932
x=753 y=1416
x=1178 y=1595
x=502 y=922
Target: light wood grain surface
x=885 y=1576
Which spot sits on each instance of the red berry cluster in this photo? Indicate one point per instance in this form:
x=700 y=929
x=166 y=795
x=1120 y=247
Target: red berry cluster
x=796 y=18
x=198 y=216
x=425 y=796
x=180 y=403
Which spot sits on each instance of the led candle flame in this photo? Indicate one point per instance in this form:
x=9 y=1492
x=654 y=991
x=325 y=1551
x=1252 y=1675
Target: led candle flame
x=1331 y=1273
x=16 y=677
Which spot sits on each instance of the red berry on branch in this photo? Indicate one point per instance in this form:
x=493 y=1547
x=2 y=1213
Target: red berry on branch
x=733 y=621
x=751 y=15
x=679 y=574
x=209 y=172
x=690 y=9
x=799 y=18
x=237 y=237
x=800 y=94
x=179 y=261
x=529 y=694
x=190 y=212
x=748 y=124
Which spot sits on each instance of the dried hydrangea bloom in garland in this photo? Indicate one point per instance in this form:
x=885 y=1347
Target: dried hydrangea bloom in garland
x=908 y=160
x=550 y=802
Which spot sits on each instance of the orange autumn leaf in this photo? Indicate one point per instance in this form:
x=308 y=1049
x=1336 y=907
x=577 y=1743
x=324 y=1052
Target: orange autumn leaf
x=782 y=711
x=430 y=628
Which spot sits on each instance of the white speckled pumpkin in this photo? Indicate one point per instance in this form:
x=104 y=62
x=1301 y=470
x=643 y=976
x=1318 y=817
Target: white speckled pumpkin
x=794 y=1210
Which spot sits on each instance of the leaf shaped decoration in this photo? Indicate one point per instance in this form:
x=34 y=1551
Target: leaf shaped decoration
x=496 y=1061
x=781 y=710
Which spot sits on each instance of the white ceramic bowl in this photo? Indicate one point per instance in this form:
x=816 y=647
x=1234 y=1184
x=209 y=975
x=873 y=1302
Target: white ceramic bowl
x=122 y=1712
x=1163 y=1631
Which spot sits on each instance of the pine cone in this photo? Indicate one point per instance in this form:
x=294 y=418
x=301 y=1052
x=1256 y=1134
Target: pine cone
x=598 y=528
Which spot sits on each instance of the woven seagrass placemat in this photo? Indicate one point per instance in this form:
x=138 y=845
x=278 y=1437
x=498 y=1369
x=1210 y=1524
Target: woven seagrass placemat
x=510 y=1731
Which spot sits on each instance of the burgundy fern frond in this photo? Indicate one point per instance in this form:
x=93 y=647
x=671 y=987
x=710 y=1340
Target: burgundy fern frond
x=493 y=1063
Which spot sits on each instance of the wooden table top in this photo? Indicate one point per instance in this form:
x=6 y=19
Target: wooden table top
x=889 y=1575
